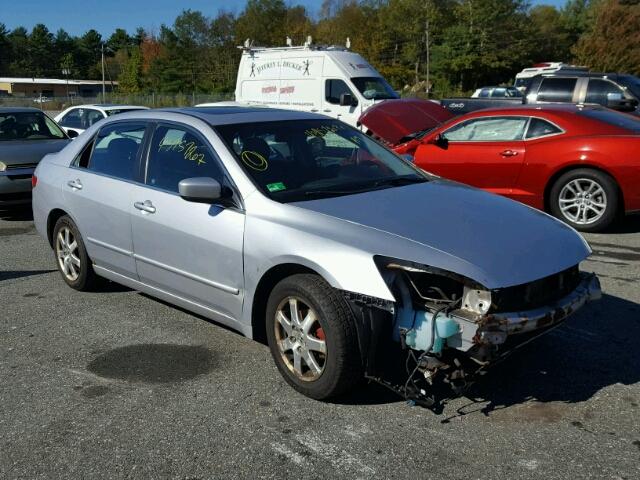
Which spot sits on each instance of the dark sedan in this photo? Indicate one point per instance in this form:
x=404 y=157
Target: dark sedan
x=26 y=135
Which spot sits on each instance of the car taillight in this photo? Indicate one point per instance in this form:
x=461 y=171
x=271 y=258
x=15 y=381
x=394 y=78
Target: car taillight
x=34 y=181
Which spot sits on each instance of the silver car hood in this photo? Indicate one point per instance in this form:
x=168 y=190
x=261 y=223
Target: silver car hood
x=490 y=239
x=23 y=152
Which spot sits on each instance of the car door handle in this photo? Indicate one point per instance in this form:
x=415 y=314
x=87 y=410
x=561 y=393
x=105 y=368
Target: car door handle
x=77 y=184
x=326 y=110
x=145 y=206
x=508 y=153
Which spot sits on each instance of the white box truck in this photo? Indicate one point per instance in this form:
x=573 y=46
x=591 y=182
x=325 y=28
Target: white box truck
x=329 y=80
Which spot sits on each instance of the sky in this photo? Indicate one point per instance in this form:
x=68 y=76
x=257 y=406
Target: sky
x=78 y=16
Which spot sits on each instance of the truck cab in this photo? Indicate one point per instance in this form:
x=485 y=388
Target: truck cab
x=332 y=80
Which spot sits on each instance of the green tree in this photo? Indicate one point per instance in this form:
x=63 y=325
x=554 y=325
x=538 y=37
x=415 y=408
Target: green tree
x=130 y=79
x=41 y=52
x=264 y=22
x=553 y=37
x=612 y=44
x=20 y=64
x=89 y=55
x=6 y=49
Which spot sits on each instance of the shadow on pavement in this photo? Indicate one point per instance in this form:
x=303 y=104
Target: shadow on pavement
x=11 y=274
x=595 y=349
x=17 y=214
x=629 y=224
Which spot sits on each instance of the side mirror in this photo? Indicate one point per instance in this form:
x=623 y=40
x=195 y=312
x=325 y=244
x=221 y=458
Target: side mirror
x=200 y=189
x=440 y=140
x=72 y=134
x=622 y=104
x=347 y=100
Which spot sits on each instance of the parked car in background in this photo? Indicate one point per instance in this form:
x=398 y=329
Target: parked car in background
x=612 y=90
x=26 y=135
x=497 y=92
x=523 y=78
x=78 y=118
x=302 y=230
x=41 y=99
x=579 y=163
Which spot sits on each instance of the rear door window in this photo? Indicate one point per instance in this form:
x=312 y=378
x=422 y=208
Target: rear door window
x=91 y=116
x=557 y=89
x=488 y=129
x=541 y=128
x=177 y=153
x=116 y=150
x=600 y=90
x=72 y=119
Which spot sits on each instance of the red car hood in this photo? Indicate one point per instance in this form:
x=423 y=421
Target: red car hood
x=393 y=120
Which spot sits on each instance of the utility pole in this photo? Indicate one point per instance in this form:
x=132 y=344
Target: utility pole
x=426 y=41
x=102 y=61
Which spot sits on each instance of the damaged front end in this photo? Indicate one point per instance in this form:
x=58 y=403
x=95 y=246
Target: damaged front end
x=447 y=327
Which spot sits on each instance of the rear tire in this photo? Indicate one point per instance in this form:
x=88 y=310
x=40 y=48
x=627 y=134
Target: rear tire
x=586 y=199
x=71 y=256
x=312 y=337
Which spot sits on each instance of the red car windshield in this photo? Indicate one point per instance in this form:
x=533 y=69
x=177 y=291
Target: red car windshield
x=622 y=120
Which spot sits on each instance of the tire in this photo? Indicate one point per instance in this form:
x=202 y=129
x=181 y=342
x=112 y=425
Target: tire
x=71 y=256
x=590 y=199
x=329 y=320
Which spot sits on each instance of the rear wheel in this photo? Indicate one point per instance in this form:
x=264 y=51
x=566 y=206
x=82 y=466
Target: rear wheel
x=586 y=199
x=71 y=255
x=312 y=337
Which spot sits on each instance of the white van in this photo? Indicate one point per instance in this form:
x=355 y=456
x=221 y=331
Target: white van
x=330 y=80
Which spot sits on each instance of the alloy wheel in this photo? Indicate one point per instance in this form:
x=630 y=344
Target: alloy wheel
x=583 y=201
x=67 y=254
x=300 y=339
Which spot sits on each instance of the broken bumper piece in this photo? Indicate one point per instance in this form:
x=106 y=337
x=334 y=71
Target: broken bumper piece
x=522 y=322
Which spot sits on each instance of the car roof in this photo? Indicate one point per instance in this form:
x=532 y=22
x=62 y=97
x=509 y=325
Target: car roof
x=230 y=114
x=566 y=108
x=578 y=73
x=108 y=106
x=19 y=109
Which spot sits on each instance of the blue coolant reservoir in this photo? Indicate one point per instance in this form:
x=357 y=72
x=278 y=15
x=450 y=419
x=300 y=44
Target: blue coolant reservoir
x=420 y=331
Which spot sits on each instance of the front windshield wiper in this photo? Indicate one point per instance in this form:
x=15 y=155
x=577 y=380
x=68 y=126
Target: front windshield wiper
x=399 y=181
x=384 y=182
x=415 y=135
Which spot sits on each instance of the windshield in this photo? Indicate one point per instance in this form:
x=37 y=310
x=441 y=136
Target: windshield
x=374 y=88
x=523 y=82
x=116 y=111
x=302 y=160
x=28 y=126
x=632 y=83
x=618 y=119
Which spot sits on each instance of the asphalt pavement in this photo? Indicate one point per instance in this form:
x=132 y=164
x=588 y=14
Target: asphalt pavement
x=115 y=384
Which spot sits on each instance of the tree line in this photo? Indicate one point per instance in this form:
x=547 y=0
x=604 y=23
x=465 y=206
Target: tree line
x=436 y=46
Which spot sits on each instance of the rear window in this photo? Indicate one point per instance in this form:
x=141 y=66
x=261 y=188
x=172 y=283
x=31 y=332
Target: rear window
x=116 y=111
x=557 y=89
x=616 y=119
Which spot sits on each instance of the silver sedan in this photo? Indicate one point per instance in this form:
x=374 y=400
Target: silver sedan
x=303 y=232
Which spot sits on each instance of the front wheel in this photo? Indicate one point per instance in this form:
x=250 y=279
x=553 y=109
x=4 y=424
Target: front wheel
x=71 y=255
x=586 y=199
x=312 y=337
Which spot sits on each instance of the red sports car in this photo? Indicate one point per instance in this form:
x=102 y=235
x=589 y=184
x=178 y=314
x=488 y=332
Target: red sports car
x=579 y=163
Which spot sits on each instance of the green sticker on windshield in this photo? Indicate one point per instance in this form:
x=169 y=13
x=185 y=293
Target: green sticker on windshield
x=276 y=187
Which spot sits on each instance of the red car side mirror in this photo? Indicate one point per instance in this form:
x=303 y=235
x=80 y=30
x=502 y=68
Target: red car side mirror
x=439 y=140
